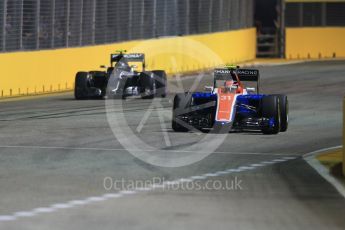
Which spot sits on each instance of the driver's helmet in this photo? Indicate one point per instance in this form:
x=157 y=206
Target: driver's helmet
x=123 y=65
x=229 y=84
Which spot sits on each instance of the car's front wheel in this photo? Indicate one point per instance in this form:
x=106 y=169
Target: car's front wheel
x=147 y=85
x=182 y=102
x=284 y=112
x=271 y=112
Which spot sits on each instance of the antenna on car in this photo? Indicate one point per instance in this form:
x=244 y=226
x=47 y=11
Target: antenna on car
x=121 y=51
x=232 y=66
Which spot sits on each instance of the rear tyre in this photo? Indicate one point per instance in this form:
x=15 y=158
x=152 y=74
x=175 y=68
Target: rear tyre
x=161 y=82
x=147 y=84
x=284 y=112
x=271 y=111
x=81 y=86
x=182 y=102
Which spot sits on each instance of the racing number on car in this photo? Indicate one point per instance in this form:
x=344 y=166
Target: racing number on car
x=225 y=107
x=225 y=98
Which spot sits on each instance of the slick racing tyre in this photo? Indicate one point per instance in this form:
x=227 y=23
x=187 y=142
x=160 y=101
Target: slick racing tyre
x=147 y=85
x=161 y=82
x=284 y=112
x=271 y=111
x=81 y=86
x=182 y=102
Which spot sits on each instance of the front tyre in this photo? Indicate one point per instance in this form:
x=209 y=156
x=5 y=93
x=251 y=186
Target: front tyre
x=271 y=112
x=182 y=102
x=284 y=112
x=147 y=85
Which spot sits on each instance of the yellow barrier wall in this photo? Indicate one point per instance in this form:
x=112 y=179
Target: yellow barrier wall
x=315 y=42
x=33 y=72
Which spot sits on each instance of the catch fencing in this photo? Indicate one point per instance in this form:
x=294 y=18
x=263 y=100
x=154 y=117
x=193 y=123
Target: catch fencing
x=315 y=14
x=48 y=24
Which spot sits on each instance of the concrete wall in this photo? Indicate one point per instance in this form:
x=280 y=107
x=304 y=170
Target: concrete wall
x=315 y=42
x=34 y=72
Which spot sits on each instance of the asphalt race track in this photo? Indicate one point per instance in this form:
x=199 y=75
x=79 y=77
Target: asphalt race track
x=55 y=153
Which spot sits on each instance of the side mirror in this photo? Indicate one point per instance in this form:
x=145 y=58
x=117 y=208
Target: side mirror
x=251 y=90
x=103 y=67
x=209 y=88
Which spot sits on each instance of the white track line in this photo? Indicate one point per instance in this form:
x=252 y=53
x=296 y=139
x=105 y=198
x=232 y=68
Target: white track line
x=147 y=150
x=108 y=196
x=316 y=152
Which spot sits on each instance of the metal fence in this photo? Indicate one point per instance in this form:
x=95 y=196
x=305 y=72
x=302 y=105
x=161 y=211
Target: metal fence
x=46 y=24
x=315 y=14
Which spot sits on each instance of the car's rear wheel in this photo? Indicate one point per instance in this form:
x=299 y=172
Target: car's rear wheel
x=81 y=86
x=182 y=102
x=161 y=82
x=271 y=111
x=147 y=85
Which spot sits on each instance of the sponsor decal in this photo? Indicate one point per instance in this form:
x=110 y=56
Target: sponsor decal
x=247 y=72
x=130 y=56
x=222 y=71
x=133 y=56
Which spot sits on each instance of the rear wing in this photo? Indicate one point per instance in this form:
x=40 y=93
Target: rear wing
x=133 y=57
x=243 y=74
x=250 y=75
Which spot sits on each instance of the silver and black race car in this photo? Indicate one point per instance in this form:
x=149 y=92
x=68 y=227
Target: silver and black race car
x=121 y=80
